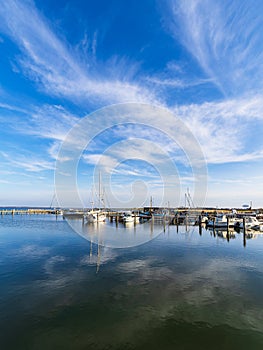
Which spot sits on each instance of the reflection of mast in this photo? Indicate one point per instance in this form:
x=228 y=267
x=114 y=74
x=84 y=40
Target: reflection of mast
x=98 y=253
x=90 y=251
x=98 y=259
x=151 y=228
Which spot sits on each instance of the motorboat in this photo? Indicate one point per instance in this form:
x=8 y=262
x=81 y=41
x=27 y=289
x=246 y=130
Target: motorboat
x=130 y=218
x=223 y=220
x=219 y=221
x=251 y=222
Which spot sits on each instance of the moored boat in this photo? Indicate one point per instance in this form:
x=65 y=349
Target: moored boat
x=129 y=217
x=95 y=216
x=251 y=222
x=223 y=221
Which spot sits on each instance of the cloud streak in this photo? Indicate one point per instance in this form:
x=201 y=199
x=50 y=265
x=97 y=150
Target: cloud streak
x=225 y=39
x=54 y=66
x=224 y=128
x=28 y=163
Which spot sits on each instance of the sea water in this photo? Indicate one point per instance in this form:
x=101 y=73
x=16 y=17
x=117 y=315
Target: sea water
x=168 y=287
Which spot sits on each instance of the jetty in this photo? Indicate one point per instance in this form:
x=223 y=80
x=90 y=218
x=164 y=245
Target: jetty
x=29 y=211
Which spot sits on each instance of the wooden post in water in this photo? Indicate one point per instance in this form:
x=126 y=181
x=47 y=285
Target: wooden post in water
x=200 y=224
x=227 y=228
x=244 y=239
x=244 y=232
x=214 y=232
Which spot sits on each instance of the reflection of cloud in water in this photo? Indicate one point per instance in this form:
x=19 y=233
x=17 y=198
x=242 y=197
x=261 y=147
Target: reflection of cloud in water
x=134 y=265
x=146 y=291
x=50 y=264
x=117 y=236
x=146 y=270
x=207 y=293
x=99 y=255
x=31 y=251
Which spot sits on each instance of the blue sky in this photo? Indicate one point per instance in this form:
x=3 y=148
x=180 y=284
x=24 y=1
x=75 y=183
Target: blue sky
x=200 y=60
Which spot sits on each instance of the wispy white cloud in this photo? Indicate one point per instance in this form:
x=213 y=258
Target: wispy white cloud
x=58 y=69
x=135 y=170
x=175 y=82
x=4 y=181
x=51 y=122
x=177 y=75
x=46 y=121
x=51 y=63
x=31 y=164
x=224 y=129
x=11 y=107
x=225 y=38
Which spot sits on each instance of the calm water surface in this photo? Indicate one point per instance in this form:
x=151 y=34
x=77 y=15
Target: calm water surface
x=180 y=290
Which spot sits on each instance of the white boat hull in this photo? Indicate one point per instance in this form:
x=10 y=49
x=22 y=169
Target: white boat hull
x=95 y=217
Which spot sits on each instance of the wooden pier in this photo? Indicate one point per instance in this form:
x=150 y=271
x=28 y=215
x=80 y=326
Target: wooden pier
x=29 y=211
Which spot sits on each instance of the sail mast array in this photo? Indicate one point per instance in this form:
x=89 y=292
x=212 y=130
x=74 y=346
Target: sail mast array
x=188 y=199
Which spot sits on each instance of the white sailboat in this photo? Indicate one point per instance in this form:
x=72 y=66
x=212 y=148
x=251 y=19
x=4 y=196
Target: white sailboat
x=97 y=215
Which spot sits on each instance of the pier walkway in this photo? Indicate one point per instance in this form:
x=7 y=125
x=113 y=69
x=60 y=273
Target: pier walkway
x=29 y=211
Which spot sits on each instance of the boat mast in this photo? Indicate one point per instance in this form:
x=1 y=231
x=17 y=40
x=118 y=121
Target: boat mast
x=100 y=192
x=92 y=198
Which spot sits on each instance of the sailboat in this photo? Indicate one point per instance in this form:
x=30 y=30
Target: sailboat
x=97 y=215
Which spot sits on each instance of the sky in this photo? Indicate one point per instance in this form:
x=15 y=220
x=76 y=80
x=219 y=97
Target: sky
x=161 y=98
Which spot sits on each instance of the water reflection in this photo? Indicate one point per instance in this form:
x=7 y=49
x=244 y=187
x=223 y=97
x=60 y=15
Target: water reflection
x=180 y=290
x=129 y=235
x=118 y=235
x=230 y=234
